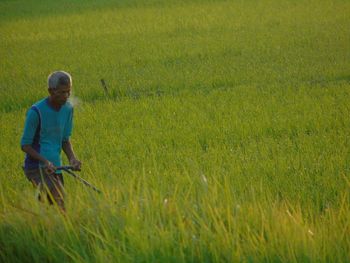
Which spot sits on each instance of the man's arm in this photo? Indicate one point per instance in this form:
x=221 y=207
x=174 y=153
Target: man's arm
x=31 y=125
x=49 y=167
x=68 y=150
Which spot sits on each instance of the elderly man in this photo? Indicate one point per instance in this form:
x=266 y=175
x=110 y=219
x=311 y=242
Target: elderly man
x=47 y=130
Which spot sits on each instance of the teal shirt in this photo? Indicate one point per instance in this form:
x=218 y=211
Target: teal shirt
x=46 y=129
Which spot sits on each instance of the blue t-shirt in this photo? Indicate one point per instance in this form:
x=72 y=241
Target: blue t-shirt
x=46 y=129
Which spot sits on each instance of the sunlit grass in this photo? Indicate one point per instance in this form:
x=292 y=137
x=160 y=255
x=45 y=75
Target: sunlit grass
x=224 y=135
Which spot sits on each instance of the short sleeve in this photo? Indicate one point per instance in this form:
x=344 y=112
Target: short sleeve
x=68 y=127
x=30 y=127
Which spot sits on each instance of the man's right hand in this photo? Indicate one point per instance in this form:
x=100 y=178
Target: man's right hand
x=49 y=167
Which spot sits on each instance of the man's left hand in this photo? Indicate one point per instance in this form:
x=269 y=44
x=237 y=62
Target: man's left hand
x=76 y=164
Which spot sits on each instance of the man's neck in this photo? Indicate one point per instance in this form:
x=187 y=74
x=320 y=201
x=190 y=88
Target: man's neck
x=54 y=104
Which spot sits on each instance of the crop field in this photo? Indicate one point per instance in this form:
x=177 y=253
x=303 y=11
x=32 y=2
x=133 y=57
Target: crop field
x=223 y=135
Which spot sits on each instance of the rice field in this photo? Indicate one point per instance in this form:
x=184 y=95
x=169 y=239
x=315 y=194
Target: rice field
x=223 y=135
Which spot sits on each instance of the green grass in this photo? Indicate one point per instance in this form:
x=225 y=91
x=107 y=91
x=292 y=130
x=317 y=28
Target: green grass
x=224 y=135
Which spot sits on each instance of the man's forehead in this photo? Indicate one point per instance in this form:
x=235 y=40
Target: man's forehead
x=64 y=87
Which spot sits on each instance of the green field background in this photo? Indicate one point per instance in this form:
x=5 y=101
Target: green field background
x=224 y=135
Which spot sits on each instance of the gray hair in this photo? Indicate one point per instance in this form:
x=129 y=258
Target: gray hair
x=58 y=78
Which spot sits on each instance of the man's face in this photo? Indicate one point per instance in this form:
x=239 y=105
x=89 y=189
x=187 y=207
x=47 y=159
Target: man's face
x=61 y=94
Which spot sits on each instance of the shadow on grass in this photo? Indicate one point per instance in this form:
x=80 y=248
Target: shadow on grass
x=14 y=10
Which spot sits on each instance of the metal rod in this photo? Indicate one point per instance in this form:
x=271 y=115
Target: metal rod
x=67 y=170
x=69 y=167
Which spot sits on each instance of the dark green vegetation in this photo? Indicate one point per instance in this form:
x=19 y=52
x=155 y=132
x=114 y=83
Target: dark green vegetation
x=224 y=135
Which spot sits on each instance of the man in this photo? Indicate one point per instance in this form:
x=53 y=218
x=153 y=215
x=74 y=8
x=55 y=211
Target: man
x=47 y=130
